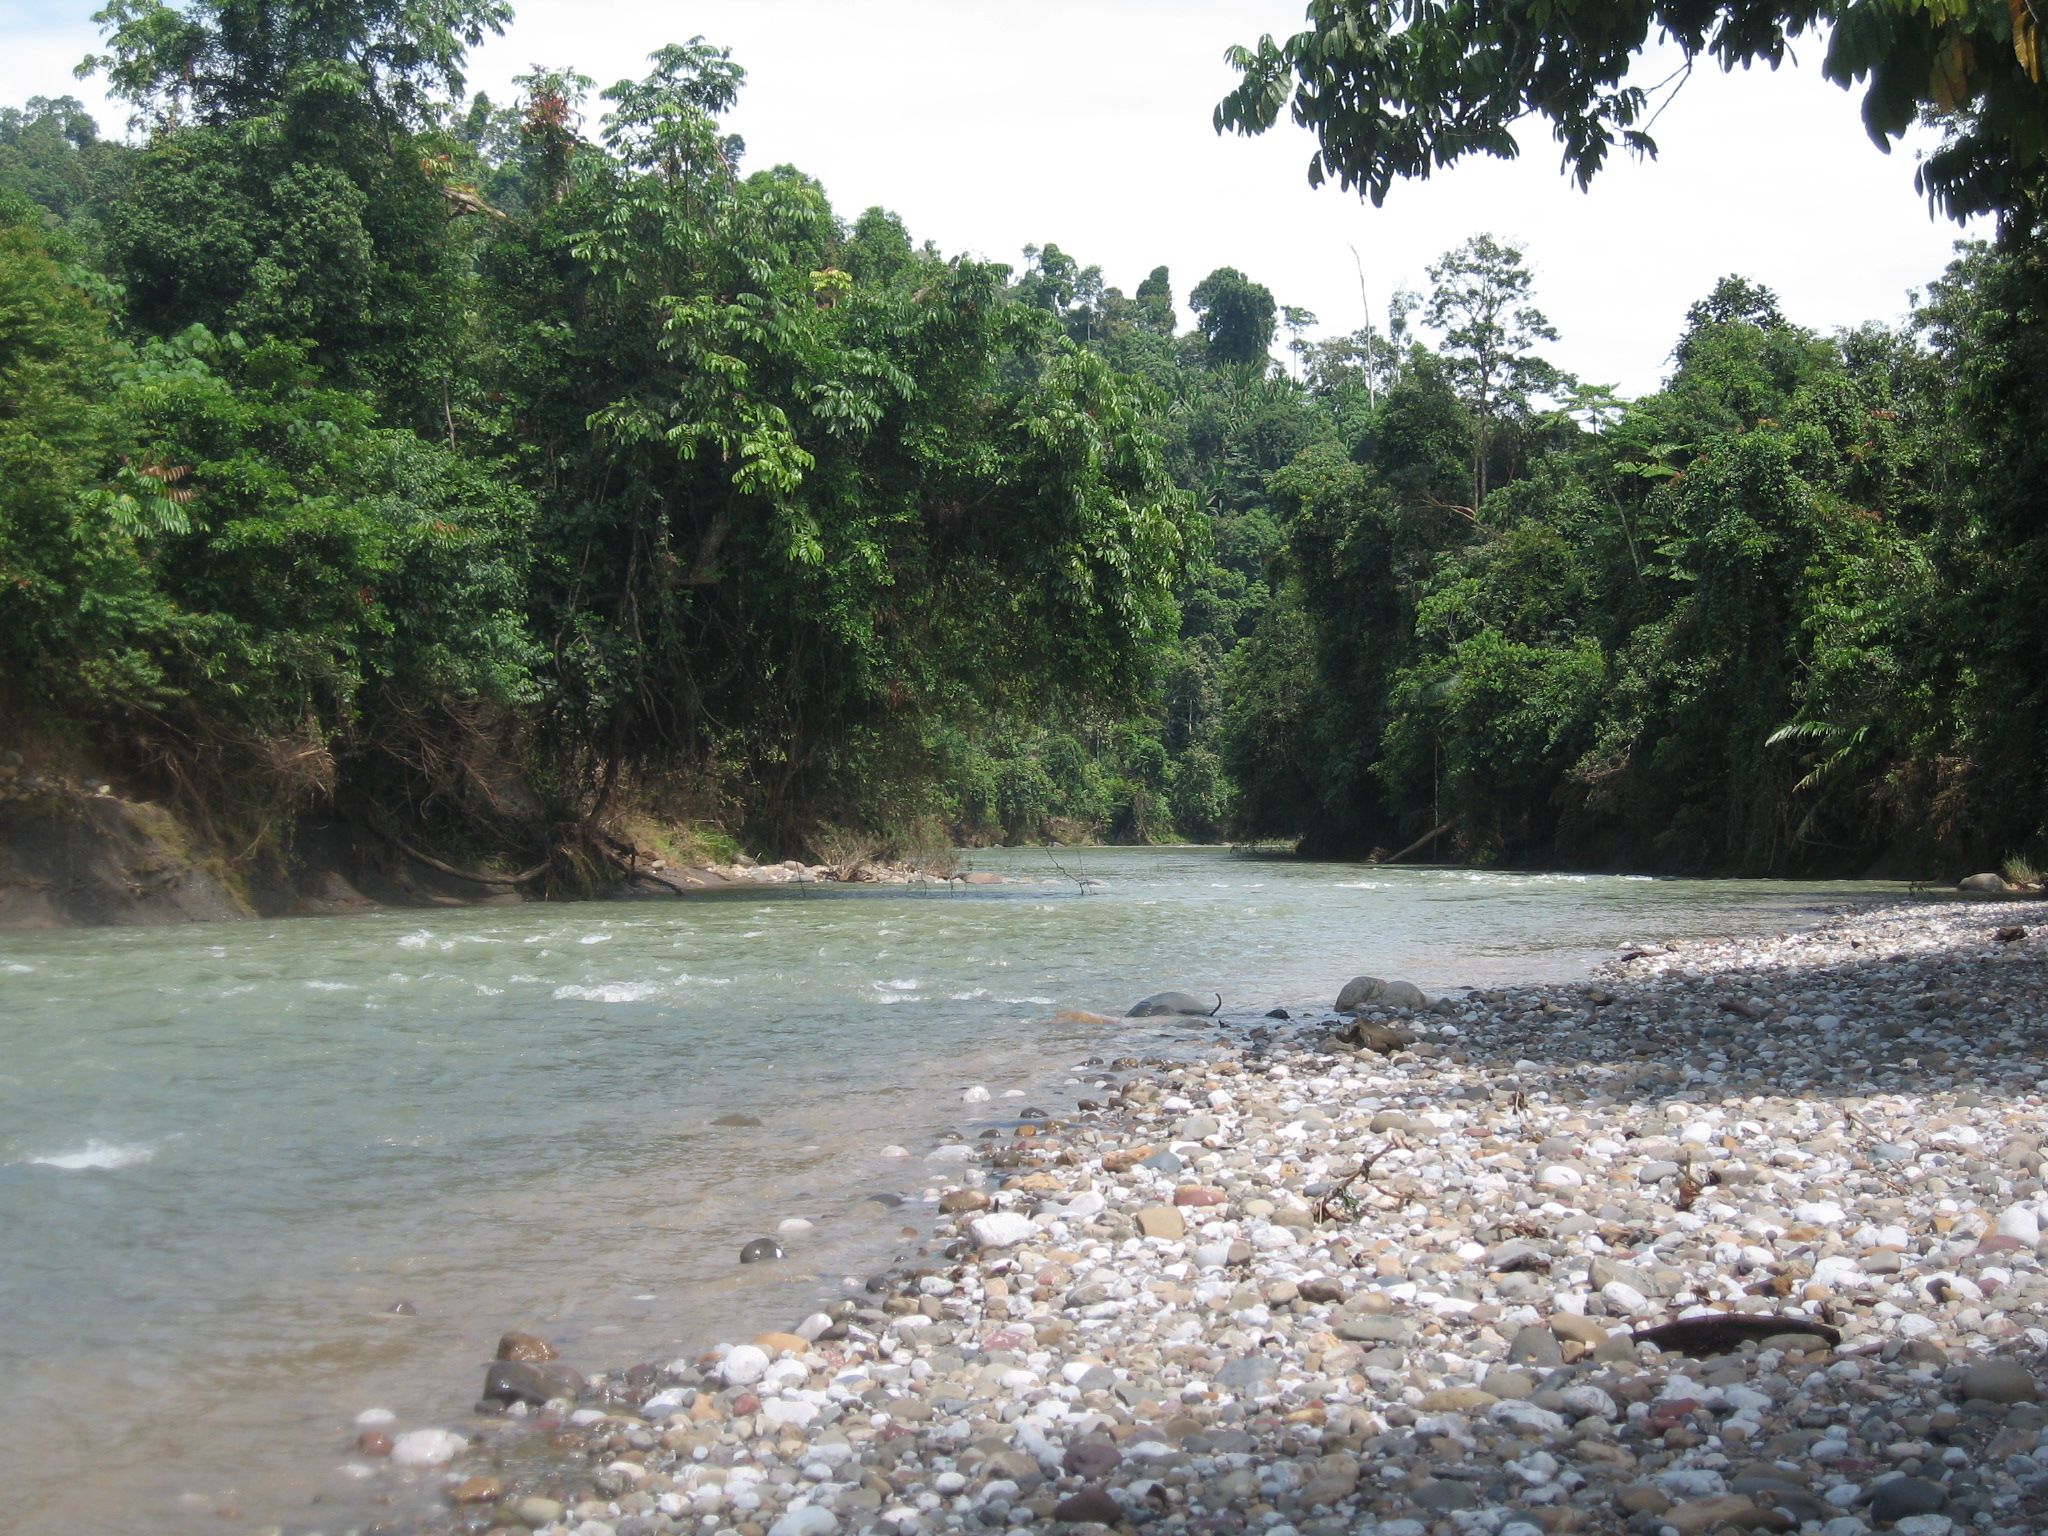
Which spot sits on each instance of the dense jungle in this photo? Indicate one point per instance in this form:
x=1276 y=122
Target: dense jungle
x=538 y=485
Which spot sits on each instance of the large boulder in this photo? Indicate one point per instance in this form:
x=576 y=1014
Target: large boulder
x=1983 y=885
x=1373 y=992
x=1166 y=1005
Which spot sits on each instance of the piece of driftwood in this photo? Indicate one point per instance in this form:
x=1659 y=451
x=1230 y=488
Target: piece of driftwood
x=1427 y=837
x=1717 y=1333
x=479 y=876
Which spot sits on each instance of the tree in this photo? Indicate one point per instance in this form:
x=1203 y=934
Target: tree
x=1155 y=302
x=218 y=61
x=1400 y=88
x=1480 y=303
x=1235 y=316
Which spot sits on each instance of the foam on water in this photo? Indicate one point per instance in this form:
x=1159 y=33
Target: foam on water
x=95 y=1155
x=611 y=992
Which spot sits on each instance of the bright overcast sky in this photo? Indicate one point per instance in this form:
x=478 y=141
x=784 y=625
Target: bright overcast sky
x=1086 y=123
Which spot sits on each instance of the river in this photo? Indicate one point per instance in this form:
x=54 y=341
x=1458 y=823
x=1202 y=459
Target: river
x=229 y=1152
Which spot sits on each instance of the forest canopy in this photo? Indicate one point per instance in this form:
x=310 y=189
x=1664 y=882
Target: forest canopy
x=510 y=479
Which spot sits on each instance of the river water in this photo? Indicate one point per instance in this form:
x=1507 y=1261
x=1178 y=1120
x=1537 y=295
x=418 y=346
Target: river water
x=228 y=1152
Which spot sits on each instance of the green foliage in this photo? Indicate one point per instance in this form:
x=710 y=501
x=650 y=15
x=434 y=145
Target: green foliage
x=1235 y=316
x=1396 y=89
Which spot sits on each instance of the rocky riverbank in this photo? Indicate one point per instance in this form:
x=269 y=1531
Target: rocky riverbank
x=1416 y=1283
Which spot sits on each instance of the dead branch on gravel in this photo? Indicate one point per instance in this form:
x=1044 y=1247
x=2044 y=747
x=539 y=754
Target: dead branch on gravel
x=1341 y=1195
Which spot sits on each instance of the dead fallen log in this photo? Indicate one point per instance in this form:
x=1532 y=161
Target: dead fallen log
x=1421 y=842
x=477 y=876
x=1720 y=1333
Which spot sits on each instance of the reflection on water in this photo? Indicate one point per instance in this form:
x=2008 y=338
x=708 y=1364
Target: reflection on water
x=228 y=1152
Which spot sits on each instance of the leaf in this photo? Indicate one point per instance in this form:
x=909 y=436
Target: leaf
x=1949 y=82
x=2026 y=38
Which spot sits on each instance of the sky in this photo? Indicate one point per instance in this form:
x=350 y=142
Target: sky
x=992 y=124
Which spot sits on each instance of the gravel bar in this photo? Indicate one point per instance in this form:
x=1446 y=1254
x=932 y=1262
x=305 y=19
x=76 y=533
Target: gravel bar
x=1736 y=1235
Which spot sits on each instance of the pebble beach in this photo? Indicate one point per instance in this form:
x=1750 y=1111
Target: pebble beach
x=1734 y=1235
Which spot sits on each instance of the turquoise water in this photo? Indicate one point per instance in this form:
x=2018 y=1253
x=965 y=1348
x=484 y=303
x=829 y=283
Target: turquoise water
x=228 y=1151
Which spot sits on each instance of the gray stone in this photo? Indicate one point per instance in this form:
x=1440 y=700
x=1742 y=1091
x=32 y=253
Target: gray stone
x=1535 y=1345
x=1903 y=1496
x=1248 y=1373
x=2001 y=1381
x=1166 y=1005
x=1369 y=991
x=1441 y=1496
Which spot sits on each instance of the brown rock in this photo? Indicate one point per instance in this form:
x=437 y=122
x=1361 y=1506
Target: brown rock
x=1161 y=1221
x=954 y=1201
x=1091 y=1458
x=524 y=1346
x=373 y=1442
x=1198 y=1194
x=477 y=1490
x=1696 y=1516
x=1090 y=1504
x=1457 y=1400
x=1124 y=1159
x=1322 y=1289
x=777 y=1343
x=1643 y=1499
x=1582 y=1330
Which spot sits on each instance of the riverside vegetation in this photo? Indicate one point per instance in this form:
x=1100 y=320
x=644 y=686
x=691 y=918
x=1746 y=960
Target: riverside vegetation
x=535 y=487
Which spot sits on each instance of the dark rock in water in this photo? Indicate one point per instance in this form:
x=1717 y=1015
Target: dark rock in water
x=736 y=1120
x=1031 y=1114
x=1090 y=1459
x=520 y=1381
x=374 y=1442
x=524 y=1346
x=958 y=1248
x=885 y=1198
x=1278 y=1013
x=1085 y=1105
x=759 y=1249
x=1097 y=1505
x=1166 y=1005
x=403 y=1309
